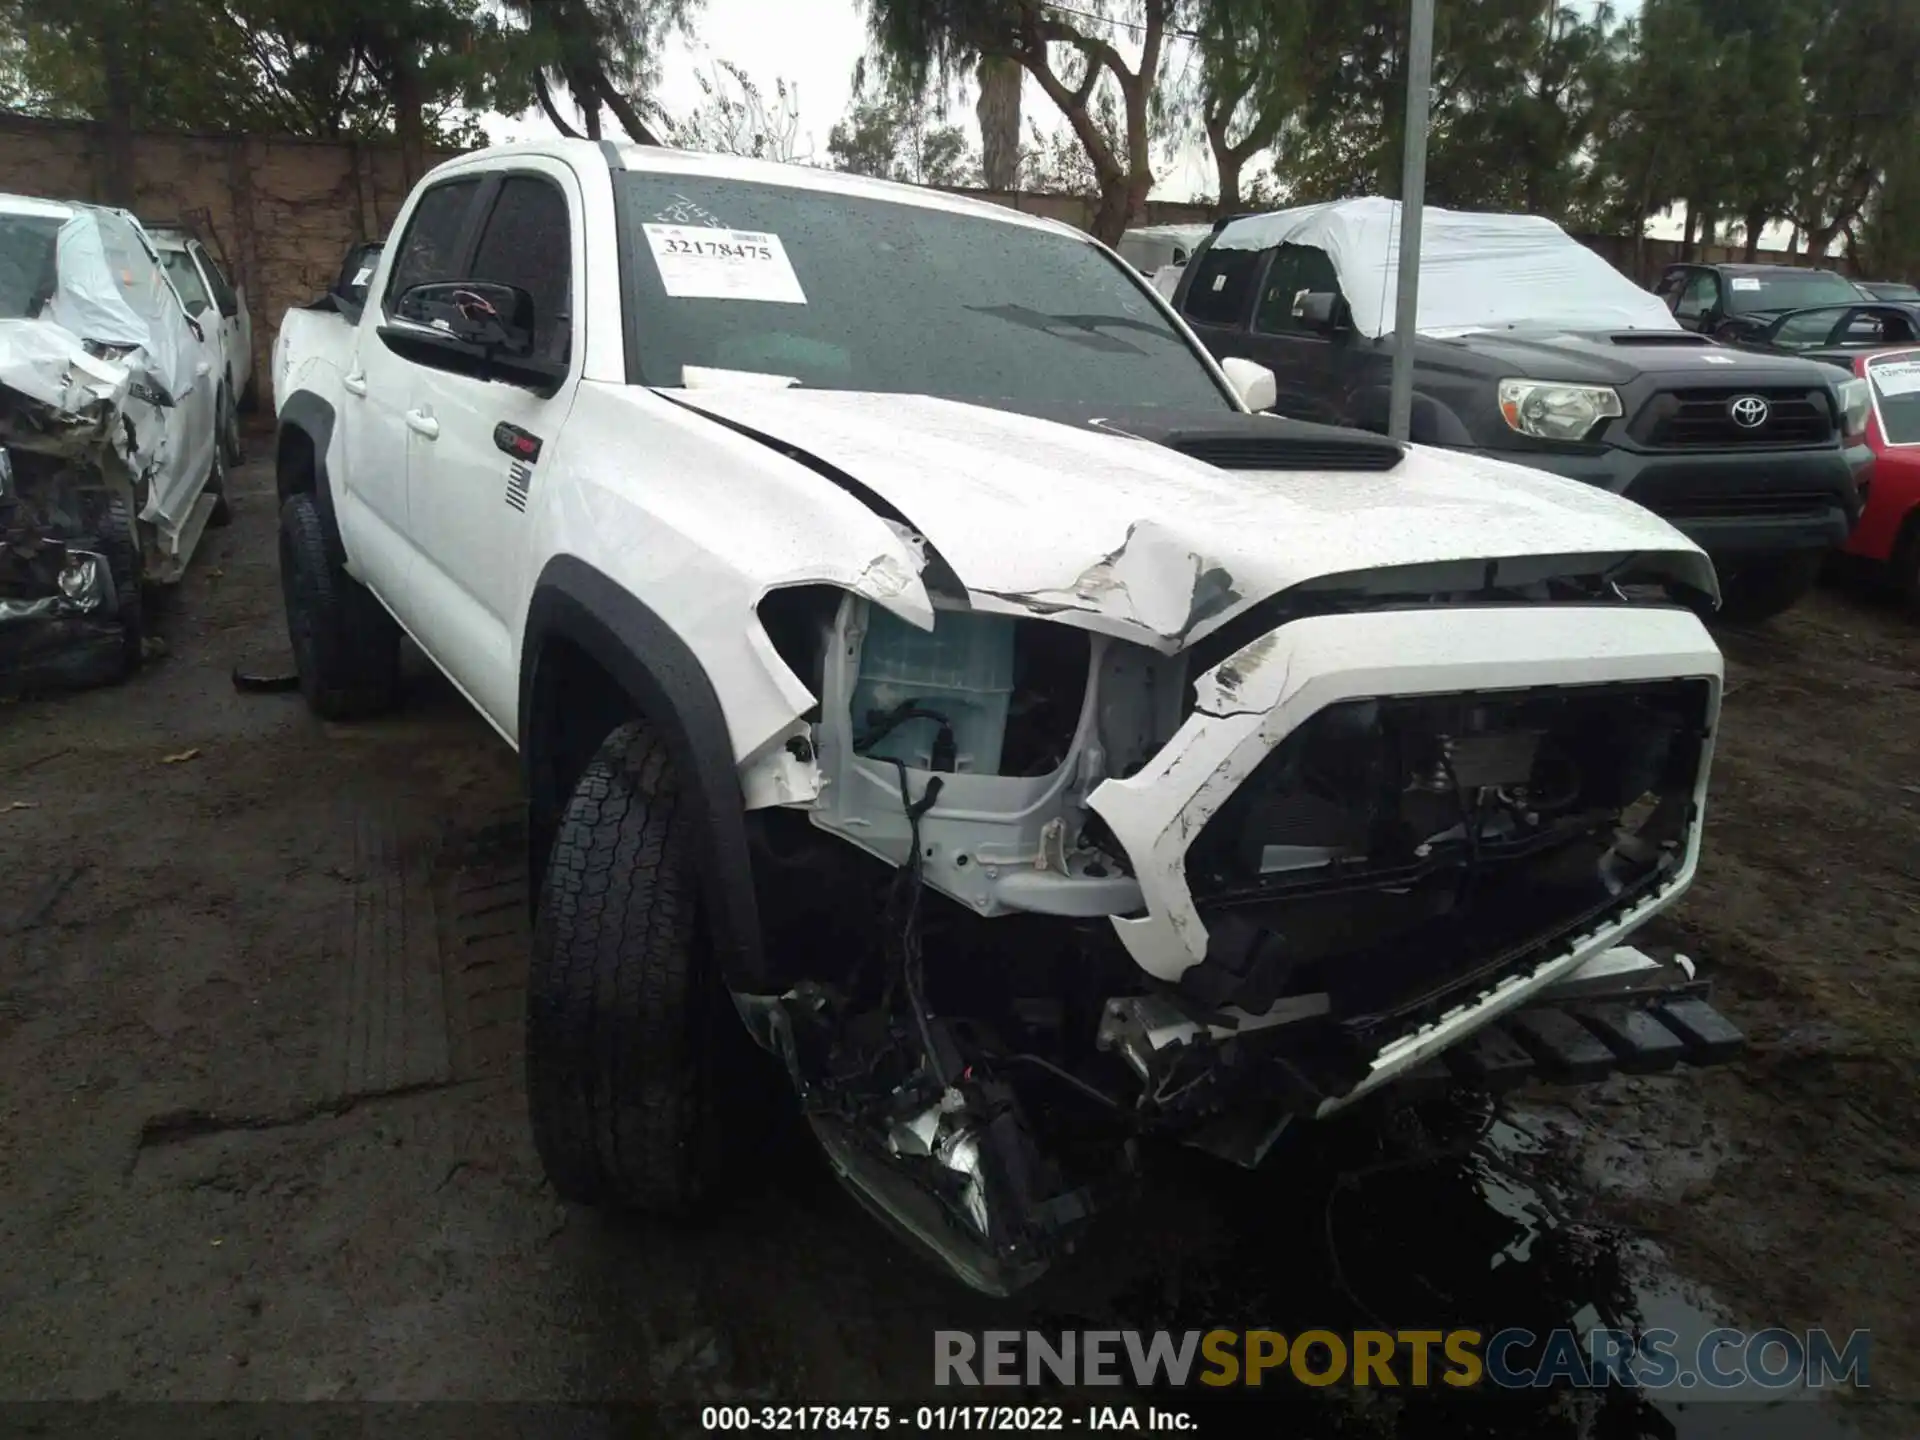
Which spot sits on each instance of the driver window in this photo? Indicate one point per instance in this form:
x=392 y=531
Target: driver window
x=429 y=250
x=527 y=242
x=1700 y=296
x=1297 y=271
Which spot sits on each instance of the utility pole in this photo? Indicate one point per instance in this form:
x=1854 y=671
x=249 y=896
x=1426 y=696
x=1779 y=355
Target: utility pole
x=1413 y=199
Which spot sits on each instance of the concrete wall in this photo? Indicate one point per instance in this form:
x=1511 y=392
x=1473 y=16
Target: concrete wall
x=280 y=213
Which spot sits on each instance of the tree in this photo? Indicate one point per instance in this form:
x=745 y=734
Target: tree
x=1515 y=97
x=415 y=68
x=604 y=53
x=1863 y=110
x=735 y=117
x=1250 y=84
x=1070 y=53
x=896 y=137
x=998 y=111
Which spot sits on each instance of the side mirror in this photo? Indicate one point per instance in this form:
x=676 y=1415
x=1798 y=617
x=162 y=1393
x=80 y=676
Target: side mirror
x=196 y=308
x=1253 y=383
x=474 y=327
x=198 y=333
x=1319 y=310
x=496 y=318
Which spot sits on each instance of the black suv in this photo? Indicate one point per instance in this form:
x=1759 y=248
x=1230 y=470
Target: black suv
x=1743 y=452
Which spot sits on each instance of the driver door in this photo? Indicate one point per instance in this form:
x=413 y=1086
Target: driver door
x=379 y=427
x=474 y=480
x=1309 y=365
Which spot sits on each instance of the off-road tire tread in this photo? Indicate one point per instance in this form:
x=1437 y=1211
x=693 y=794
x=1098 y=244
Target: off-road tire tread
x=351 y=670
x=619 y=1003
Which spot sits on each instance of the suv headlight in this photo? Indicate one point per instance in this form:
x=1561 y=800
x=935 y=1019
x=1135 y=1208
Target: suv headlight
x=1855 y=400
x=1549 y=410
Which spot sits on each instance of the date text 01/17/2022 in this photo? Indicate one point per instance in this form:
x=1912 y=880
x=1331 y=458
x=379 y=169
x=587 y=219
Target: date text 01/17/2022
x=936 y=1418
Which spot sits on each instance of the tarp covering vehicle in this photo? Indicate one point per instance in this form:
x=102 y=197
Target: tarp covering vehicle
x=106 y=427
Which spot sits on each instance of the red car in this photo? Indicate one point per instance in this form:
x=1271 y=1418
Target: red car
x=1889 y=527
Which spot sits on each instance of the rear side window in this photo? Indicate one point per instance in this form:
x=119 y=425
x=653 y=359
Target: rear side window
x=1222 y=288
x=429 y=251
x=527 y=242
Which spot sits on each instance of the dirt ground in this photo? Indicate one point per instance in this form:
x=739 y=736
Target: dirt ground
x=262 y=1138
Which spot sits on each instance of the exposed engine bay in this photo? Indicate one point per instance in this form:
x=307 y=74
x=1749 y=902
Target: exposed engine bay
x=1198 y=895
x=70 y=556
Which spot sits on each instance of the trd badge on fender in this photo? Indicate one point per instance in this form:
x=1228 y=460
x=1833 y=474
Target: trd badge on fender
x=517 y=442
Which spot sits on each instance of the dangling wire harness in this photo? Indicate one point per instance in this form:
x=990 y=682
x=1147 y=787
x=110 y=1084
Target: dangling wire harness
x=910 y=880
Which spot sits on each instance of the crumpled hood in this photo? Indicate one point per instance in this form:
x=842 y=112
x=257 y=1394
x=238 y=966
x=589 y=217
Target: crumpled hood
x=1057 y=517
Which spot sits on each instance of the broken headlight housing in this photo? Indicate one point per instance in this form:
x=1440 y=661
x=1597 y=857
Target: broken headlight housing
x=1551 y=410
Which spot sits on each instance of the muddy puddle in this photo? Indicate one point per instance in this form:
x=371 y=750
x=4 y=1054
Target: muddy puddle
x=1452 y=1224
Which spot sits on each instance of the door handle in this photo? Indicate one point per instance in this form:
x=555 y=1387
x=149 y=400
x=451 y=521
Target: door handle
x=422 y=423
x=355 y=384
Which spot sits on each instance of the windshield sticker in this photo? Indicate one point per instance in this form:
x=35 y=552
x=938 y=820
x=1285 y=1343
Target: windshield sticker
x=682 y=211
x=1900 y=378
x=364 y=276
x=1745 y=282
x=699 y=263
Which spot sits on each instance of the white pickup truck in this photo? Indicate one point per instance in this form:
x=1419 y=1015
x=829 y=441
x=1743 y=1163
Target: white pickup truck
x=917 y=648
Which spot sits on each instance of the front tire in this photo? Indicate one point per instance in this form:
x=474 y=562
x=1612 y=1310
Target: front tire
x=624 y=1013
x=120 y=543
x=346 y=646
x=232 y=447
x=1758 y=590
x=221 y=515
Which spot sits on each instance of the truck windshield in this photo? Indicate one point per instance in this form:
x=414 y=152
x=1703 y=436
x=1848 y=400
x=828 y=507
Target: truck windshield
x=1788 y=292
x=843 y=292
x=28 y=269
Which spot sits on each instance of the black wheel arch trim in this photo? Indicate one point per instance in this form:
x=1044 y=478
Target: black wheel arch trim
x=308 y=414
x=669 y=687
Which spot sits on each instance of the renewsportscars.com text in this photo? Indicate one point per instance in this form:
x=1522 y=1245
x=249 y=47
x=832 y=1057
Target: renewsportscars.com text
x=1727 y=1359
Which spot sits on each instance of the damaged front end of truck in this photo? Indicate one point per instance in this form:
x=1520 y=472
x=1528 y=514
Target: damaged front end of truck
x=83 y=422
x=1050 y=881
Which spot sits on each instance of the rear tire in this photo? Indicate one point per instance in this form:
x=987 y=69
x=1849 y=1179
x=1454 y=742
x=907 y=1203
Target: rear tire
x=345 y=644
x=1760 y=589
x=625 y=1046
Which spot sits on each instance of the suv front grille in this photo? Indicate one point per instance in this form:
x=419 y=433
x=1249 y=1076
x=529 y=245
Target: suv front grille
x=1695 y=419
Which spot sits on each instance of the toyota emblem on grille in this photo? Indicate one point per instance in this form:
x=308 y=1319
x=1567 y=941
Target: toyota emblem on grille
x=1749 y=411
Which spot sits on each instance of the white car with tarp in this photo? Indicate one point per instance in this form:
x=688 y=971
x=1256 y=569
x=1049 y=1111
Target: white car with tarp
x=110 y=468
